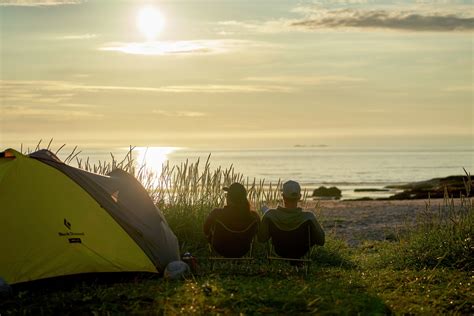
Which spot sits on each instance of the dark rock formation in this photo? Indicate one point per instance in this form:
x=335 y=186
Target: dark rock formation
x=434 y=188
x=371 y=190
x=331 y=192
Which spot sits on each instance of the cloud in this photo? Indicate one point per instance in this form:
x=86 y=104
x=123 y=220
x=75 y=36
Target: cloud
x=76 y=37
x=222 y=89
x=414 y=18
x=47 y=100
x=193 y=47
x=36 y=3
x=209 y=88
x=61 y=114
x=466 y=88
x=60 y=91
x=179 y=113
x=409 y=20
x=32 y=92
x=232 y=27
x=306 y=80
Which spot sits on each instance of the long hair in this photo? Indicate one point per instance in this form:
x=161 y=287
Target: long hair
x=240 y=205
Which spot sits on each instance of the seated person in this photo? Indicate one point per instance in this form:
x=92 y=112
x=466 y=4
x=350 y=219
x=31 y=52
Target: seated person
x=241 y=224
x=288 y=226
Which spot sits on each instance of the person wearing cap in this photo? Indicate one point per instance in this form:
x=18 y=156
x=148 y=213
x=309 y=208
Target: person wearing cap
x=236 y=215
x=290 y=217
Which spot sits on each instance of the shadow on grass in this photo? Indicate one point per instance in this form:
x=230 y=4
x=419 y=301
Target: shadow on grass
x=76 y=294
x=334 y=253
x=327 y=257
x=328 y=293
x=332 y=286
x=281 y=291
x=331 y=293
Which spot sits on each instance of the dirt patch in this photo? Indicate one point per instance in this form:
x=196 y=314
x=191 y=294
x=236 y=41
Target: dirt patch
x=355 y=221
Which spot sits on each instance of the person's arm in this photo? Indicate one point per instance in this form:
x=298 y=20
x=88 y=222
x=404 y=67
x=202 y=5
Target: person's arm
x=264 y=209
x=317 y=233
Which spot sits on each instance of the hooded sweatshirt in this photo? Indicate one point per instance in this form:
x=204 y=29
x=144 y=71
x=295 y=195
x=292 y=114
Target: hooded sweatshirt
x=288 y=219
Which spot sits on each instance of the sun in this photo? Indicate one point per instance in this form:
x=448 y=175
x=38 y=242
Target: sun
x=150 y=22
x=153 y=158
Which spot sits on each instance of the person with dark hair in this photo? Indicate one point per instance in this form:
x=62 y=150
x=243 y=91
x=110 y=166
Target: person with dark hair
x=239 y=222
x=277 y=223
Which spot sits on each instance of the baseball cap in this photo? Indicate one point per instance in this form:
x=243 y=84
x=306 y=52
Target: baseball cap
x=236 y=191
x=291 y=189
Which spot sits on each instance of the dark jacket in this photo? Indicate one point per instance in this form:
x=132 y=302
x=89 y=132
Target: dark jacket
x=232 y=219
x=234 y=237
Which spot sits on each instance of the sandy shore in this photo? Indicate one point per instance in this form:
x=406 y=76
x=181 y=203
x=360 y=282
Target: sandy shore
x=355 y=221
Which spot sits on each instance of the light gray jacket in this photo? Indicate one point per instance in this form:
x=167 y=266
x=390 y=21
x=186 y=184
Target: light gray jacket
x=289 y=219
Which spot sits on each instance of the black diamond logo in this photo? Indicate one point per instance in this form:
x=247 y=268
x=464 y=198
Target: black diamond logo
x=67 y=224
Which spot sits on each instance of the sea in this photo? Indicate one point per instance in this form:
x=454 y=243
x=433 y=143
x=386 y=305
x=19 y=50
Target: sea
x=347 y=168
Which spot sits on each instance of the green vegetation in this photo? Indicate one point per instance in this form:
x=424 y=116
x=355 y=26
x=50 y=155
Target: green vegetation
x=443 y=239
x=341 y=281
x=424 y=271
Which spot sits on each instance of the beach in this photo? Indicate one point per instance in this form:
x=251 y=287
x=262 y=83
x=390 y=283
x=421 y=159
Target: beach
x=359 y=221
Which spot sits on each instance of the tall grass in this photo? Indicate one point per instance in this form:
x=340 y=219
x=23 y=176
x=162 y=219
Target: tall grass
x=185 y=193
x=442 y=237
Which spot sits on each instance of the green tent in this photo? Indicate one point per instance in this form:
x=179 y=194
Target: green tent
x=58 y=220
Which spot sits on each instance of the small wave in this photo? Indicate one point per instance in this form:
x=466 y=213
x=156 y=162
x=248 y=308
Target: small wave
x=347 y=183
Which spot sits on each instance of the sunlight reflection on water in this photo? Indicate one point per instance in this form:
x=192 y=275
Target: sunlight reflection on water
x=153 y=158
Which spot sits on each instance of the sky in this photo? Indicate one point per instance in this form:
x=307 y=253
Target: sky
x=232 y=73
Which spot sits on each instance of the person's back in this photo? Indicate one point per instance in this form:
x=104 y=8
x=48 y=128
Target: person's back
x=230 y=230
x=233 y=219
x=278 y=223
x=293 y=243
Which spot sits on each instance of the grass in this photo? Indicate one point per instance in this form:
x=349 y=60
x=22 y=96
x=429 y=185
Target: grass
x=442 y=238
x=426 y=270
x=350 y=285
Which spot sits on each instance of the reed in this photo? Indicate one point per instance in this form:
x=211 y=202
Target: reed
x=188 y=184
x=186 y=192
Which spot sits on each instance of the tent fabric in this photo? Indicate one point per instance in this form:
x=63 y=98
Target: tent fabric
x=59 y=220
x=142 y=223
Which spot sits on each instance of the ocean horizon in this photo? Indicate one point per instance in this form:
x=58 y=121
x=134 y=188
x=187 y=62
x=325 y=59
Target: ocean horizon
x=347 y=168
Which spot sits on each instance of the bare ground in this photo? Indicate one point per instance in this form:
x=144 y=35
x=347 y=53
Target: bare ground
x=355 y=221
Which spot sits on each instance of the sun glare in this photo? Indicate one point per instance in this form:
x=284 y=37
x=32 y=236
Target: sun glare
x=153 y=157
x=150 y=22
